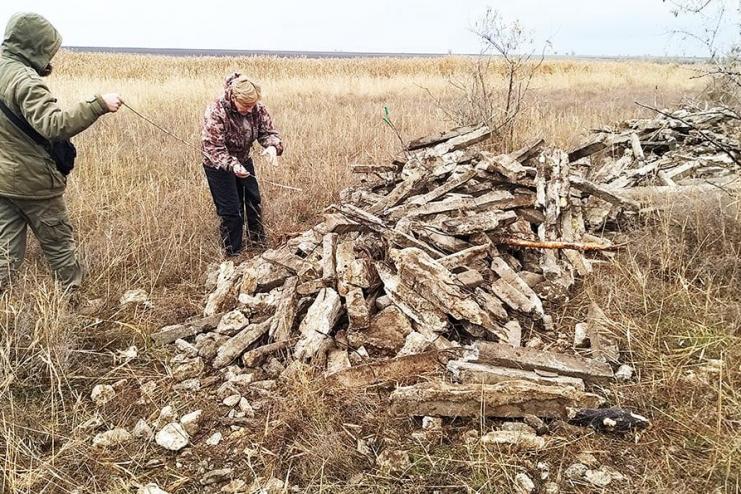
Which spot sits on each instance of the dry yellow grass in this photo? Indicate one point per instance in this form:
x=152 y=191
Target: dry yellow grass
x=144 y=218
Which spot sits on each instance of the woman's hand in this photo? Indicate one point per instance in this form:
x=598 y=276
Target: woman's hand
x=240 y=171
x=272 y=155
x=112 y=101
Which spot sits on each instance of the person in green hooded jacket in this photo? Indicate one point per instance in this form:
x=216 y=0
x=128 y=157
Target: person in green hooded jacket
x=31 y=187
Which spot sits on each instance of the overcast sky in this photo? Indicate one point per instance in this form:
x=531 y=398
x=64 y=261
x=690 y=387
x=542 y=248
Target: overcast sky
x=584 y=27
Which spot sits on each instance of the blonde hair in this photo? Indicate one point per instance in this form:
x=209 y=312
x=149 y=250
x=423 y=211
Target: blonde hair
x=246 y=91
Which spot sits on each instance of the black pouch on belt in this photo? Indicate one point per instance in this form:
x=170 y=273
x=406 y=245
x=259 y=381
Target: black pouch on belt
x=62 y=151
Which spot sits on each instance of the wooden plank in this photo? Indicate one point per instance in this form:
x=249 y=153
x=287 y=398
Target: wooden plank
x=407 y=368
x=411 y=184
x=376 y=224
x=438 y=285
x=509 y=278
x=604 y=194
x=224 y=284
x=285 y=314
x=237 y=344
x=503 y=164
x=465 y=257
x=531 y=359
x=604 y=346
x=318 y=324
x=478 y=223
x=416 y=307
x=169 y=334
x=529 y=151
x=329 y=252
x=255 y=357
x=443 y=189
x=595 y=145
x=293 y=263
x=635 y=144
x=504 y=399
x=373 y=169
x=477 y=373
x=497 y=199
x=434 y=139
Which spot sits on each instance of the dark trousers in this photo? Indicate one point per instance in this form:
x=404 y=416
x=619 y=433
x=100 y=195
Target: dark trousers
x=237 y=202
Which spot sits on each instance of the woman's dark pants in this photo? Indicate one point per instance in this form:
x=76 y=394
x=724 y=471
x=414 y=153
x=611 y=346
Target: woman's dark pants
x=237 y=201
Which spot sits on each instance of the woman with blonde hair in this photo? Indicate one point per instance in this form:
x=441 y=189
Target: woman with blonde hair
x=231 y=125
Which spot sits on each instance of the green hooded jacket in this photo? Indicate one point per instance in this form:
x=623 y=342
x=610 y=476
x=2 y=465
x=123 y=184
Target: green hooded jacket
x=26 y=169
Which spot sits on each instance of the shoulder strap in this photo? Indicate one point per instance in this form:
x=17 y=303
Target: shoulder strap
x=23 y=125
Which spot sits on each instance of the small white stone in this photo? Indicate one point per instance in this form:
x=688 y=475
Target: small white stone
x=216 y=476
x=191 y=422
x=188 y=386
x=129 y=354
x=432 y=423
x=137 y=296
x=624 y=373
x=143 y=431
x=544 y=469
x=602 y=477
x=232 y=400
x=167 y=414
x=111 y=438
x=524 y=484
x=580 y=335
x=525 y=440
x=92 y=423
x=215 y=439
x=242 y=379
x=173 y=437
x=246 y=408
x=102 y=394
x=576 y=471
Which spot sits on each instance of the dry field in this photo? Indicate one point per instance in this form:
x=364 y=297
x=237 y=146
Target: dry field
x=144 y=219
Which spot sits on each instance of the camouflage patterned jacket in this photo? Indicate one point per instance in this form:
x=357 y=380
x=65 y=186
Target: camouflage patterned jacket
x=227 y=136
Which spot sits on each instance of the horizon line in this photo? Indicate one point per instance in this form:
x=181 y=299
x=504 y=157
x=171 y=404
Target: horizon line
x=219 y=52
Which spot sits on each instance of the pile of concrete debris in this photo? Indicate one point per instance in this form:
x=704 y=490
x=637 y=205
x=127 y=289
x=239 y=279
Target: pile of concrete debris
x=446 y=262
x=444 y=258
x=674 y=149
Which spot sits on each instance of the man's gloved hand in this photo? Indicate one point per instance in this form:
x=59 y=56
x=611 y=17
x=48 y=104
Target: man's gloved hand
x=240 y=171
x=272 y=155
